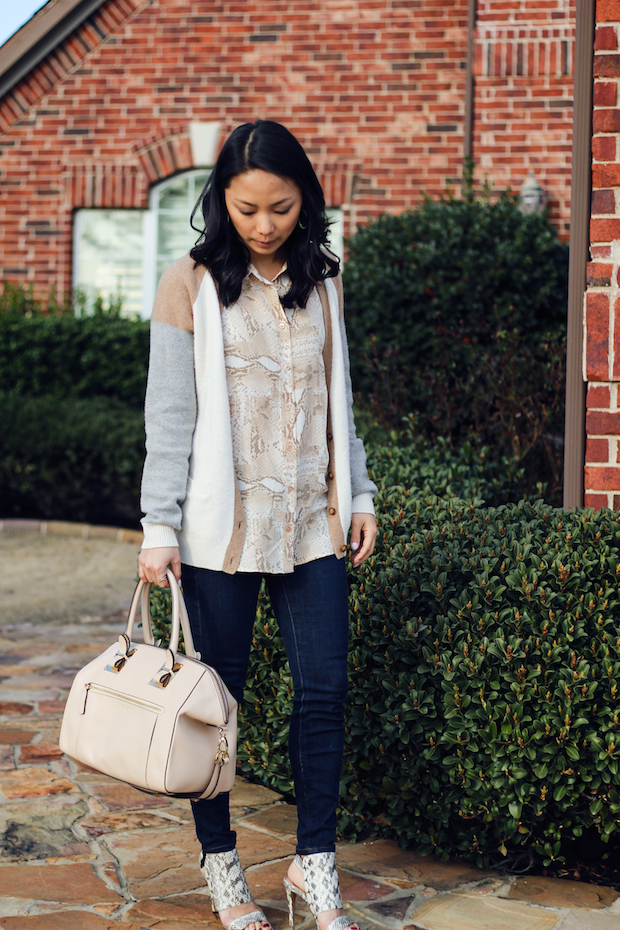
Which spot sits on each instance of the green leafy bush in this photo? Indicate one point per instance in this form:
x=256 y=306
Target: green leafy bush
x=484 y=714
x=17 y=300
x=490 y=641
x=72 y=443
x=68 y=356
x=483 y=717
x=456 y=314
x=70 y=459
x=436 y=469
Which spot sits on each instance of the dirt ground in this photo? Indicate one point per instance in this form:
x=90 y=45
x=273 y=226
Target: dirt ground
x=63 y=577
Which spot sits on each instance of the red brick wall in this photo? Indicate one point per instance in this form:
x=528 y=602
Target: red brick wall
x=602 y=302
x=374 y=89
x=524 y=56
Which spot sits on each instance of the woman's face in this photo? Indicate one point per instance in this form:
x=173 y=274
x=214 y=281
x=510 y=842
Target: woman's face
x=264 y=209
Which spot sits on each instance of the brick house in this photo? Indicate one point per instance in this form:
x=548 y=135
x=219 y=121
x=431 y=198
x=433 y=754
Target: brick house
x=111 y=112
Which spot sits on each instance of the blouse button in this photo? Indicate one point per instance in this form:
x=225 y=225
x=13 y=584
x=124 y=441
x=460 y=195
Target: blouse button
x=281 y=325
x=332 y=511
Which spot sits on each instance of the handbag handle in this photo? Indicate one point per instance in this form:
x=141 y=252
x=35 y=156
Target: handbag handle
x=180 y=619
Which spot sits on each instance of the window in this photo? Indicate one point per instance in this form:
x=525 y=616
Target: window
x=107 y=256
x=124 y=252
x=168 y=232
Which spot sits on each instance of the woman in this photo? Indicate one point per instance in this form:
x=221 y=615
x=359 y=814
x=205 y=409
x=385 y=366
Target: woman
x=254 y=471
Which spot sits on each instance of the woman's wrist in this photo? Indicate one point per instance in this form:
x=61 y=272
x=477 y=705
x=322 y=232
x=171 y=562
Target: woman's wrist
x=159 y=536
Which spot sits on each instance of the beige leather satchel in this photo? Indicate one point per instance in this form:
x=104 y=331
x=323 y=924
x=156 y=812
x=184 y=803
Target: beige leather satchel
x=147 y=715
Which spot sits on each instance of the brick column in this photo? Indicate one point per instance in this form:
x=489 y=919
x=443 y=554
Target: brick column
x=602 y=299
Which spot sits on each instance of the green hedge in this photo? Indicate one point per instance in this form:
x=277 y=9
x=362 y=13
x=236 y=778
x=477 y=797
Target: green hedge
x=70 y=459
x=437 y=469
x=456 y=314
x=484 y=716
x=75 y=357
x=481 y=264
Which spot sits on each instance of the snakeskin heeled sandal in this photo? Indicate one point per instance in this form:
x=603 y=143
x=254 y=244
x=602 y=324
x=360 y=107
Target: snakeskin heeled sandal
x=322 y=890
x=228 y=887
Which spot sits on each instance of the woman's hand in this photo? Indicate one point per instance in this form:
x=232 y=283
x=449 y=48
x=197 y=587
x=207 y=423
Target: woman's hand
x=152 y=565
x=363 y=536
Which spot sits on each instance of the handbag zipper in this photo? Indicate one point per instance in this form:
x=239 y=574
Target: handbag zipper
x=220 y=690
x=219 y=687
x=128 y=699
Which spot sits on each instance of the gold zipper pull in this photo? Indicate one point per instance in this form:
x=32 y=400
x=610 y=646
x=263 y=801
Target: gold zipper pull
x=86 y=690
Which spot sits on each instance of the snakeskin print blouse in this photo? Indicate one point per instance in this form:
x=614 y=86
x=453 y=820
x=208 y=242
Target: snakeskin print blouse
x=278 y=402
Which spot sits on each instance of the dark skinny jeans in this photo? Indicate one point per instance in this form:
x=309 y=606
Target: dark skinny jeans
x=311 y=607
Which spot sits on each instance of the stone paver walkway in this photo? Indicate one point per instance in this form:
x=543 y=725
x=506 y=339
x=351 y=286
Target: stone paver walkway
x=79 y=851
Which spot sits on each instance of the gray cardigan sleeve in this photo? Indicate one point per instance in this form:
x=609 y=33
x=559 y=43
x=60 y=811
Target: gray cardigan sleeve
x=170 y=419
x=362 y=488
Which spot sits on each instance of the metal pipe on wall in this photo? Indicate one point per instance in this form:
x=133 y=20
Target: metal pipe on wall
x=574 y=430
x=468 y=129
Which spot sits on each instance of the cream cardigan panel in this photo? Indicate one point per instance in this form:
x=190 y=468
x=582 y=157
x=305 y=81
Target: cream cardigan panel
x=338 y=411
x=209 y=508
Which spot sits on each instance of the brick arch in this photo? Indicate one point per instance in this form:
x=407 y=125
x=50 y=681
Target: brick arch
x=164 y=153
x=107 y=186
x=127 y=185
x=338 y=181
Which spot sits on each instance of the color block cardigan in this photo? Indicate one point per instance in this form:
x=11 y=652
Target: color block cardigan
x=189 y=491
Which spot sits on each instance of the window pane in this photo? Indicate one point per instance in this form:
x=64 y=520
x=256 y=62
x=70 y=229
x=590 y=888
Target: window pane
x=174 y=197
x=108 y=256
x=174 y=204
x=173 y=236
x=336 y=231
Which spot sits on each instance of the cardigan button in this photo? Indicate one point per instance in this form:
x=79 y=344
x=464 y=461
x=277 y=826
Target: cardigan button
x=332 y=511
x=330 y=475
x=330 y=436
x=343 y=548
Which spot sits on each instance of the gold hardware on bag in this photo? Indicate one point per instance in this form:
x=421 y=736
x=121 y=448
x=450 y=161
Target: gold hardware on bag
x=120 y=661
x=221 y=756
x=164 y=680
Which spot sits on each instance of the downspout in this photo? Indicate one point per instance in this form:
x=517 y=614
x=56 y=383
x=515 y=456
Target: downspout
x=574 y=430
x=468 y=141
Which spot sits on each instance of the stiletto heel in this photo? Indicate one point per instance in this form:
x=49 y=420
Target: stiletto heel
x=228 y=887
x=291 y=891
x=322 y=890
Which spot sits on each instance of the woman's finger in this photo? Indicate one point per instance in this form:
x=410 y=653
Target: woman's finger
x=364 y=529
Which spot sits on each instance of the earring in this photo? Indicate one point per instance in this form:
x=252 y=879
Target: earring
x=299 y=222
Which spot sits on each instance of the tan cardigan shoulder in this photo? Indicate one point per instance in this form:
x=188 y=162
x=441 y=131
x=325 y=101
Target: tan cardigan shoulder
x=177 y=292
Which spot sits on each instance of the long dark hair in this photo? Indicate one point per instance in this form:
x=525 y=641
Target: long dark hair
x=271 y=147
